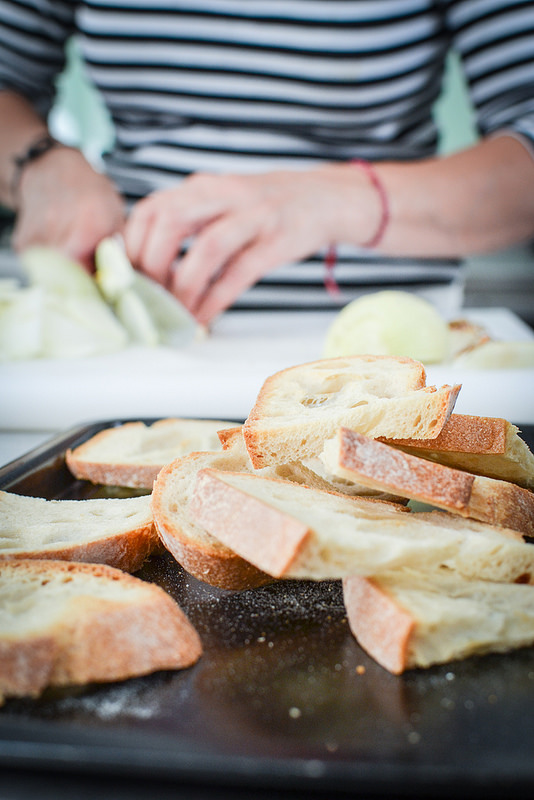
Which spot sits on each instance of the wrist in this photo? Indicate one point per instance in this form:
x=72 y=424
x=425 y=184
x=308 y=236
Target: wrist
x=375 y=237
x=36 y=151
x=366 y=225
x=358 y=211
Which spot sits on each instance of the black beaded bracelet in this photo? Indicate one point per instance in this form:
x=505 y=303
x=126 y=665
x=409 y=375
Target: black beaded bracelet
x=37 y=149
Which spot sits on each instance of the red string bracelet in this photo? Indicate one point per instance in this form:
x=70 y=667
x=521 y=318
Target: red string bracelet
x=370 y=171
x=331 y=255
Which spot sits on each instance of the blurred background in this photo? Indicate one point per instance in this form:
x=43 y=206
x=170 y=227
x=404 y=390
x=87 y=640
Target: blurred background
x=501 y=279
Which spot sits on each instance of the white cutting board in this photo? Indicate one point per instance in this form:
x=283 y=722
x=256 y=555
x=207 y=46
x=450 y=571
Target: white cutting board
x=221 y=375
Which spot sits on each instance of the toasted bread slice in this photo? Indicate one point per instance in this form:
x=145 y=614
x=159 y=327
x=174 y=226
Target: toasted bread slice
x=65 y=624
x=114 y=531
x=293 y=531
x=489 y=446
x=297 y=409
x=132 y=454
x=382 y=467
x=407 y=619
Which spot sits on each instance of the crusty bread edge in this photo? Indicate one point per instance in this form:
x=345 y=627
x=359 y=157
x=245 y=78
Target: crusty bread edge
x=380 y=626
x=485 y=499
x=81 y=646
x=131 y=476
x=126 y=551
x=218 y=566
x=227 y=513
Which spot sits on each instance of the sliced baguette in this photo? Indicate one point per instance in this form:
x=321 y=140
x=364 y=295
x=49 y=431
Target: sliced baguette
x=67 y=624
x=114 y=531
x=292 y=531
x=132 y=454
x=406 y=619
x=297 y=409
x=199 y=553
x=382 y=467
x=311 y=472
x=465 y=335
x=489 y=446
x=228 y=437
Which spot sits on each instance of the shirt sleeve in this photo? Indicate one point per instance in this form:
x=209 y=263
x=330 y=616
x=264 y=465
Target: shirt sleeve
x=495 y=41
x=33 y=36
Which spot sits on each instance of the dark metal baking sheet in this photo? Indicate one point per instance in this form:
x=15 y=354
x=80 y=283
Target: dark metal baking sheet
x=283 y=699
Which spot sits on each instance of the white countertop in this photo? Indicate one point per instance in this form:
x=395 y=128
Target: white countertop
x=218 y=377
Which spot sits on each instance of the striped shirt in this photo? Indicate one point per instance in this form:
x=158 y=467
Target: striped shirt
x=246 y=86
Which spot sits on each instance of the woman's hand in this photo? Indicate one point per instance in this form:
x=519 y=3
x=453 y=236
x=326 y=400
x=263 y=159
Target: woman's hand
x=241 y=227
x=64 y=203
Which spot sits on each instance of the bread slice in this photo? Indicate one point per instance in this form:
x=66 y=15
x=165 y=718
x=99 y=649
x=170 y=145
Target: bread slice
x=292 y=531
x=228 y=437
x=408 y=619
x=114 y=531
x=132 y=454
x=382 y=467
x=465 y=335
x=311 y=472
x=202 y=555
x=297 y=409
x=489 y=446
x=65 y=624
x=194 y=548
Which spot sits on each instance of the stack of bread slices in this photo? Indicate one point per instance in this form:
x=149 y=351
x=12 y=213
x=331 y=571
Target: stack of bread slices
x=350 y=469
x=354 y=469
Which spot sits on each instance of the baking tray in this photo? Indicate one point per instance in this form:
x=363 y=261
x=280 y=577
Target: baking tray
x=282 y=701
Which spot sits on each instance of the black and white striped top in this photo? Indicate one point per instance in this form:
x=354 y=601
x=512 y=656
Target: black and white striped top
x=251 y=85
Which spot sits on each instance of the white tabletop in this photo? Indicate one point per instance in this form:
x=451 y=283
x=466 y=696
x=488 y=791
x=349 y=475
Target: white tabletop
x=219 y=376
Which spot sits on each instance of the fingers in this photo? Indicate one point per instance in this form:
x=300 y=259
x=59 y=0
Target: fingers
x=238 y=228
x=258 y=258
x=152 y=240
x=160 y=224
x=208 y=258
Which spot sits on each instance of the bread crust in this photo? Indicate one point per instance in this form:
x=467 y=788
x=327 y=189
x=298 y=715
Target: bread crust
x=378 y=623
x=93 y=638
x=127 y=552
x=489 y=446
x=229 y=436
x=485 y=499
x=463 y=433
x=199 y=553
x=228 y=513
x=224 y=570
x=126 y=549
x=133 y=477
x=407 y=619
x=25 y=667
